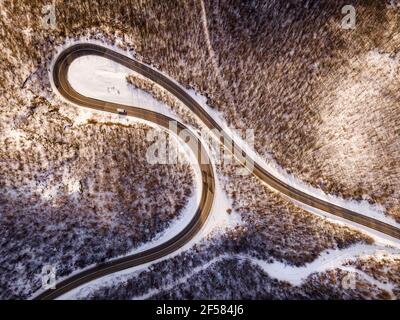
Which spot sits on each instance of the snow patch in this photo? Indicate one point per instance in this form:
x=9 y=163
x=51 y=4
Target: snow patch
x=327 y=260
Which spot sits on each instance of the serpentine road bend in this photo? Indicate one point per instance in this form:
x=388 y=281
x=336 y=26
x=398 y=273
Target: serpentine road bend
x=60 y=78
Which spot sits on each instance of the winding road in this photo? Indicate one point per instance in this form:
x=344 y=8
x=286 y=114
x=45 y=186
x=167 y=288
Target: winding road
x=60 y=78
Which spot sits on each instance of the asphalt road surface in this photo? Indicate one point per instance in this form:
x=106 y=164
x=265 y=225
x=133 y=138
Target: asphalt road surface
x=60 y=79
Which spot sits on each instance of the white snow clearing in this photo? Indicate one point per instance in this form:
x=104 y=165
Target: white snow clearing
x=328 y=260
x=101 y=78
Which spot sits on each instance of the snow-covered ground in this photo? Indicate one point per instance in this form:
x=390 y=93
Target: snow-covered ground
x=187 y=213
x=372 y=210
x=217 y=221
x=101 y=78
x=110 y=84
x=296 y=276
x=329 y=259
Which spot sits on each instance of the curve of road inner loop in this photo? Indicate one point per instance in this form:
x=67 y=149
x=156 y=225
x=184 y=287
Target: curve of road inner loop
x=60 y=79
